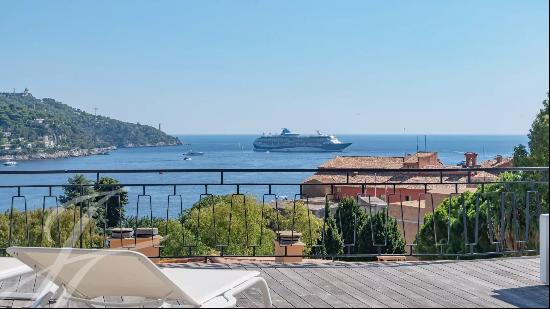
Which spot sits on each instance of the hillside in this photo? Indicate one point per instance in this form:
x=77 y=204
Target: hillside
x=29 y=125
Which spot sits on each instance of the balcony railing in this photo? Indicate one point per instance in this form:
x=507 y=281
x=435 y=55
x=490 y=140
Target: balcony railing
x=211 y=213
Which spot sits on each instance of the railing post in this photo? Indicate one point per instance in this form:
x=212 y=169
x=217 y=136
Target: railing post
x=544 y=248
x=81 y=238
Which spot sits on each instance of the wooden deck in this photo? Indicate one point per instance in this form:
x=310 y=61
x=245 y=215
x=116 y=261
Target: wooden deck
x=509 y=282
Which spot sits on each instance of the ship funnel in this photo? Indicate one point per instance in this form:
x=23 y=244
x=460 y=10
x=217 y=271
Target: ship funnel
x=285 y=131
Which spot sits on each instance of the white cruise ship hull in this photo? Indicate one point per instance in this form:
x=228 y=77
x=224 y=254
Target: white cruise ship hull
x=291 y=142
x=322 y=148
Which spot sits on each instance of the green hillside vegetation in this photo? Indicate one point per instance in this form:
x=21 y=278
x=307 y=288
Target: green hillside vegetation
x=25 y=121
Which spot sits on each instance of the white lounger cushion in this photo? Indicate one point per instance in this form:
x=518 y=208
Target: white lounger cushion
x=11 y=267
x=207 y=283
x=88 y=274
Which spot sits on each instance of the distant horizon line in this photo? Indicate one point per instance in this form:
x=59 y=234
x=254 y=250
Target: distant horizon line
x=364 y=134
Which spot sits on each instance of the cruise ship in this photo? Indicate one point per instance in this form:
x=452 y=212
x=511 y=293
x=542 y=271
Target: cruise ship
x=292 y=142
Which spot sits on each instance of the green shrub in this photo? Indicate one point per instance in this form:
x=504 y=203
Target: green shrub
x=331 y=244
x=61 y=229
x=380 y=229
x=450 y=212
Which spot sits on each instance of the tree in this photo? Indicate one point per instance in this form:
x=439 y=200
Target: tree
x=537 y=155
x=350 y=218
x=380 y=235
x=538 y=141
x=356 y=227
x=331 y=243
x=77 y=189
x=538 y=137
x=111 y=199
x=454 y=213
x=521 y=156
x=296 y=216
x=252 y=224
x=103 y=197
x=61 y=228
x=210 y=219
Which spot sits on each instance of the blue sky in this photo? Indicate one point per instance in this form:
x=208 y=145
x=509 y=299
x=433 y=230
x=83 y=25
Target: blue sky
x=362 y=67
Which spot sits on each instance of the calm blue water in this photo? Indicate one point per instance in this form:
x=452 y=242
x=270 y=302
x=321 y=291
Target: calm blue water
x=224 y=151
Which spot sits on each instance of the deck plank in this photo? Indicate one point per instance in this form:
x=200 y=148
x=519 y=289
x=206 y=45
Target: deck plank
x=434 y=290
x=314 y=296
x=278 y=300
x=528 y=298
x=488 y=274
x=350 y=286
x=405 y=295
x=466 y=289
x=503 y=282
x=509 y=272
x=278 y=284
x=471 y=287
x=533 y=269
x=375 y=291
x=330 y=287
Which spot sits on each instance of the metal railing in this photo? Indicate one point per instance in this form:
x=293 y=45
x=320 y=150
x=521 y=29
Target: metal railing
x=211 y=213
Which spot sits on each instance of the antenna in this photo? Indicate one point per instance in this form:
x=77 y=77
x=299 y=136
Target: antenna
x=95 y=111
x=417 y=144
x=425 y=143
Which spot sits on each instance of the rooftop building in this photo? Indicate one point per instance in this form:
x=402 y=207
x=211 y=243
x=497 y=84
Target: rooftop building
x=402 y=191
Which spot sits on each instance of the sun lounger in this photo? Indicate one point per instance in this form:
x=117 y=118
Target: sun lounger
x=13 y=268
x=86 y=276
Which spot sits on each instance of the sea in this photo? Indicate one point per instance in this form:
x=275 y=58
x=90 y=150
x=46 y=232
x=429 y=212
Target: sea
x=227 y=151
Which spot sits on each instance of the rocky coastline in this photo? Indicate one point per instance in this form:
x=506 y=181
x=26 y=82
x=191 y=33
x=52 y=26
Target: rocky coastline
x=71 y=153
x=60 y=154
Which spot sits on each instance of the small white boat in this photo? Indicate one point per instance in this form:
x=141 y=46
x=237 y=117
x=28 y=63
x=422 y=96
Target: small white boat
x=187 y=159
x=194 y=153
x=10 y=163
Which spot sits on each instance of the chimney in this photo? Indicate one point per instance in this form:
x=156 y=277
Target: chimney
x=498 y=158
x=471 y=159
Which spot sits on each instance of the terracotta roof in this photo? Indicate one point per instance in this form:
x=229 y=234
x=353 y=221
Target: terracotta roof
x=387 y=178
x=381 y=162
x=413 y=158
x=494 y=164
x=364 y=162
x=448 y=189
x=398 y=178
